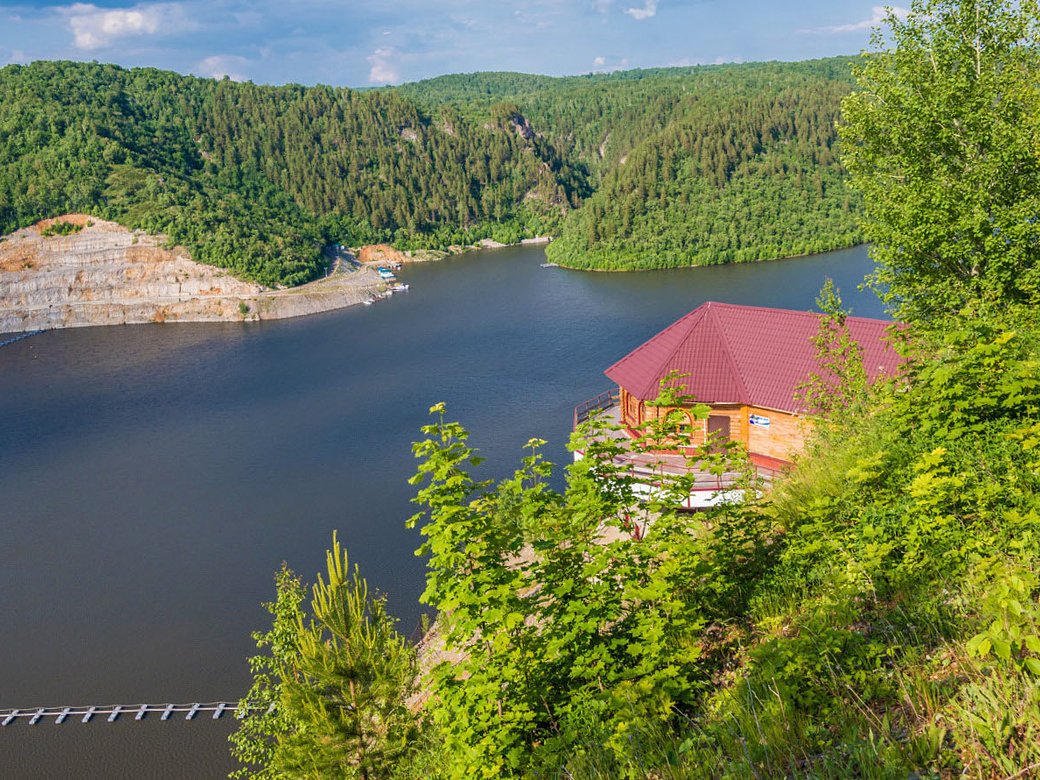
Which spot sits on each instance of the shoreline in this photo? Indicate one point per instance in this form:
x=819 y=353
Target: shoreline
x=105 y=274
x=317 y=297
x=713 y=265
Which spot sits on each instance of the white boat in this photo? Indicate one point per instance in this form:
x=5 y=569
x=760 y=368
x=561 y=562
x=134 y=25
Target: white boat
x=399 y=288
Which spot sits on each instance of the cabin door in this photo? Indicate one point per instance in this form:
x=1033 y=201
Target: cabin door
x=718 y=427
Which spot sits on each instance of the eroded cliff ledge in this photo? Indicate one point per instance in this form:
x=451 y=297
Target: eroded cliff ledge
x=105 y=274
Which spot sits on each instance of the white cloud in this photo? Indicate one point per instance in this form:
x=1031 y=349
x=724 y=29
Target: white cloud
x=877 y=16
x=606 y=64
x=13 y=57
x=383 y=70
x=648 y=10
x=97 y=28
x=220 y=65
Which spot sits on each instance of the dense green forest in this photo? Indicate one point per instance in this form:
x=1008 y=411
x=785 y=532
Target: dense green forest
x=598 y=119
x=875 y=613
x=691 y=166
x=674 y=166
x=255 y=178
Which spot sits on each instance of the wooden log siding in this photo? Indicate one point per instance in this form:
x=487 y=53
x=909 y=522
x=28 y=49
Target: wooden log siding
x=635 y=412
x=631 y=409
x=784 y=437
x=738 y=420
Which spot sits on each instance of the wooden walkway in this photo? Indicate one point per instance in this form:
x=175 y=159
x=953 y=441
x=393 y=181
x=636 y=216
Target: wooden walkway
x=58 y=715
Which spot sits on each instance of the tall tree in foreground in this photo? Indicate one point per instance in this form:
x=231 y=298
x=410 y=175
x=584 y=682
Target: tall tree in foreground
x=943 y=140
x=331 y=698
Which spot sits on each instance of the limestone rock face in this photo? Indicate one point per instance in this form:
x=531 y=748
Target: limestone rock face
x=105 y=274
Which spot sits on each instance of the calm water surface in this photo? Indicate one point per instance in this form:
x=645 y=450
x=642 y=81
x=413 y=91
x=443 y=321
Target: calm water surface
x=154 y=477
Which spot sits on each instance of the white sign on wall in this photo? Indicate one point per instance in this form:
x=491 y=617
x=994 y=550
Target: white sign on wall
x=759 y=420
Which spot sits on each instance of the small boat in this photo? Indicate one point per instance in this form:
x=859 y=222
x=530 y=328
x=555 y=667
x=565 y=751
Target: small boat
x=368 y=301
x=550 y=265
x=399 y=288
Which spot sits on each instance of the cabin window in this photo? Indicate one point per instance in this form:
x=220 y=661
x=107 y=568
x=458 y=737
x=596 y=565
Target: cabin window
x=718 y=425
x=692 y=425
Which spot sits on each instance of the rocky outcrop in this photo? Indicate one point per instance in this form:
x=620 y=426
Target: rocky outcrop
x=381 y=253
x=521 y=126
x=104 y=274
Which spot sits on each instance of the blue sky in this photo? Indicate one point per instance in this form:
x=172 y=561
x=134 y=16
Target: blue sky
x=368 y=42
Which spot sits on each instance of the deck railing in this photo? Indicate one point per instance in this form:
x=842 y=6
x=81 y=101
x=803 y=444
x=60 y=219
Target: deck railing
x=604 y=400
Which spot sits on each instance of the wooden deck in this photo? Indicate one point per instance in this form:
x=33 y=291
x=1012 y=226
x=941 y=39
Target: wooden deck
x=653 y=469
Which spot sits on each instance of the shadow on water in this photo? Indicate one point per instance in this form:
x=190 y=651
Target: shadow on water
x=153 y=478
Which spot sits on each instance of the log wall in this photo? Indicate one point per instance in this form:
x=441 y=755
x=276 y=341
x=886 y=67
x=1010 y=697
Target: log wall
x=783 y=437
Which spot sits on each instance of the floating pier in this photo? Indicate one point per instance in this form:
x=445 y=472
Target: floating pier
x=35 y=715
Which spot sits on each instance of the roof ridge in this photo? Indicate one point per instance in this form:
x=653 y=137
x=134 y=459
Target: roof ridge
x=625 y=358
x=728 y=351
x=803 y=312
x=695 y=317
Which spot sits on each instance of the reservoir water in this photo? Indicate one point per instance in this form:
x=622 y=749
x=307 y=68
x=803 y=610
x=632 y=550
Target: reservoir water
x=154 y=477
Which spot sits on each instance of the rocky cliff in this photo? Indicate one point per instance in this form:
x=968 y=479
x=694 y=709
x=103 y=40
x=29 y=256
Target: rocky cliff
x=104 y=274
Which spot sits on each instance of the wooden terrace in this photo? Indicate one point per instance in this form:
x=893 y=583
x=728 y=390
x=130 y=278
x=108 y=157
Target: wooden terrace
x=654 y=469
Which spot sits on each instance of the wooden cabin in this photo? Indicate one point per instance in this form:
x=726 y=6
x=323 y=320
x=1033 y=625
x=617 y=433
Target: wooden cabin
x=747 y=363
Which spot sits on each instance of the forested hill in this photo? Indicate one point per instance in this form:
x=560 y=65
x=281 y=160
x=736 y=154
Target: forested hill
x=596 y=119
x=636 y=169
x=690 y=166
x=254 y=178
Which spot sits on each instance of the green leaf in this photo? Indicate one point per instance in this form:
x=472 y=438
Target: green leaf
x=979 y=645
x=1002 y=649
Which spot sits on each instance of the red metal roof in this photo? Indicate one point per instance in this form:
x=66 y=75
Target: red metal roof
x=744 y=355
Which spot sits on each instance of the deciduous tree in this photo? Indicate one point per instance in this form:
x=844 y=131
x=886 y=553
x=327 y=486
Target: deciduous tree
x=943 y=140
